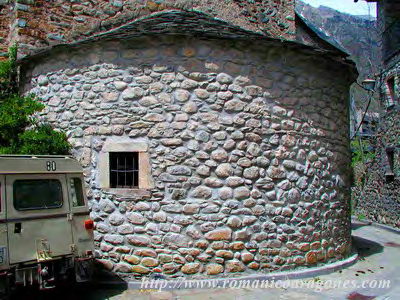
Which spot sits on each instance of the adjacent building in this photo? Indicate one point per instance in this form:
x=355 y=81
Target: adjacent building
x=379 y=199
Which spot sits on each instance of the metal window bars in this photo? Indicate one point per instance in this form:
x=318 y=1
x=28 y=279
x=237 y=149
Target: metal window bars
x=124 y=169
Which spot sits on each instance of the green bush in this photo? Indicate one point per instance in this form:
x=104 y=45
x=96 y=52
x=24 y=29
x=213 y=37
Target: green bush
x=15 y=115
x=20 y=131
x=43 y=139
x=8 y=74
x=360 y=152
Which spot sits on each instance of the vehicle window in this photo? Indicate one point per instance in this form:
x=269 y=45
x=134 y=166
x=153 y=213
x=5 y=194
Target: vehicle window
x=76 y=192
x=37 y=194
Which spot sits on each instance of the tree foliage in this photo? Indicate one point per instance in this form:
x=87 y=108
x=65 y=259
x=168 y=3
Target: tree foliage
x=361 y=152
x=8 y=75
x=20 y=131
x=44 y=140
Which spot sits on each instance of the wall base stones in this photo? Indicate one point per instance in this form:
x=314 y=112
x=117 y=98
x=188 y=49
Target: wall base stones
x=248 y=147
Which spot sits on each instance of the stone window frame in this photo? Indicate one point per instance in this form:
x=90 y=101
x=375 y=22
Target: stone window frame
x=145 y=178
x=391 y=98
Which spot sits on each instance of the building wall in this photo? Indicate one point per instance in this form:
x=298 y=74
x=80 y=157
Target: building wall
x=247 y=146
x=379 y=199
x=36 y=24
x=389 y=25
x=5 y=27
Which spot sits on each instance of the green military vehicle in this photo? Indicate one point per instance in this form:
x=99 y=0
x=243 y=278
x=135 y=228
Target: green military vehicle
x=46 y=235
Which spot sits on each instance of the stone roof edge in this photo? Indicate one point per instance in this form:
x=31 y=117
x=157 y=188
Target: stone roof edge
x=321 y=35
x=193 y=24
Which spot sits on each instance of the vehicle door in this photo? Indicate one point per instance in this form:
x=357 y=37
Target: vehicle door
x=81 y=224
x=37 y=217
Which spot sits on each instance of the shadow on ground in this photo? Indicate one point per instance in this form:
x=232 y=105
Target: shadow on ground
x=95 y=290
x=86 y=292
x=366 y=247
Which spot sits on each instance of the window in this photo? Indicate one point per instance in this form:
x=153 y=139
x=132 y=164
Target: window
x=124 y=166
x=76 y=192
x=391 y=92
x=37 y=194
x=390 y=35
x=390 y=170
x=124 y=170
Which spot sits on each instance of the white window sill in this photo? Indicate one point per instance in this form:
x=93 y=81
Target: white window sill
x=127 y=192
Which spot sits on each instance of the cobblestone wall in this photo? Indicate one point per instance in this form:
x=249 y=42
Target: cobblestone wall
x=5 y=26
x=248 y=146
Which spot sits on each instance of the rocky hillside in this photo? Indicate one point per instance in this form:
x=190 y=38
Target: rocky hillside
x=356 y=34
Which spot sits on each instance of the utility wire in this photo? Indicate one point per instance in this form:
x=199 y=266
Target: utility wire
x=366 y=109
x=363 y=118
x=369 y=94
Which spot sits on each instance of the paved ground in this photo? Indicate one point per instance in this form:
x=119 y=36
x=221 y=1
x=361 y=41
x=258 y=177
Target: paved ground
x=379 y=251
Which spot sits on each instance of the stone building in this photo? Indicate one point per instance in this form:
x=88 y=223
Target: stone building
x=210 y=145
x=378 y=199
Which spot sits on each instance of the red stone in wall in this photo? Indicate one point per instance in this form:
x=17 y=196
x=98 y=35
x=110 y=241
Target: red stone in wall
x=5 y=26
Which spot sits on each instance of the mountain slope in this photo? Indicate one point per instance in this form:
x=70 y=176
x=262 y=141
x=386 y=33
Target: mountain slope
x=358 y=35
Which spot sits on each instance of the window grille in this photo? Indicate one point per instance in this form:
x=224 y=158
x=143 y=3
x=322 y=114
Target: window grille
x=124 y=170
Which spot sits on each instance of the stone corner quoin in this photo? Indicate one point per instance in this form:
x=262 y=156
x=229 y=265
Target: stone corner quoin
x=247 y=145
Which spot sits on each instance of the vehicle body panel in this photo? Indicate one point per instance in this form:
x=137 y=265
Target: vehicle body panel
x=60 y=230
x=43 y=212
x=20 y=164
x=4 y=259
x=41 y=230
x=83 y=239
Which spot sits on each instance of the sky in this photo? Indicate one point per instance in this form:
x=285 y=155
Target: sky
x=347 y=6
